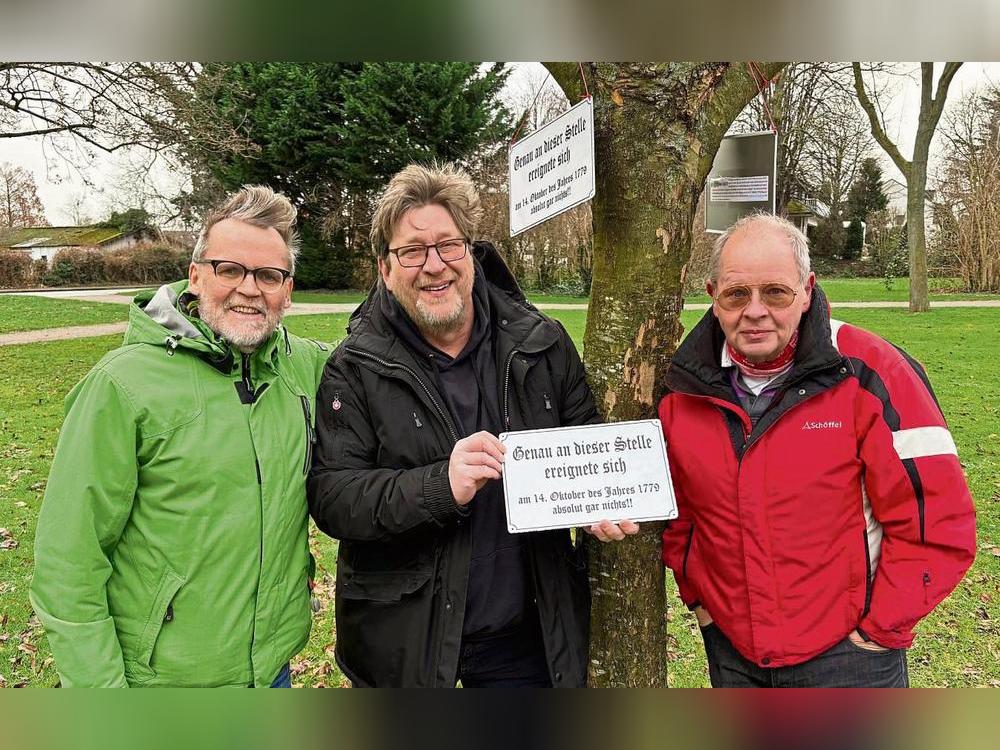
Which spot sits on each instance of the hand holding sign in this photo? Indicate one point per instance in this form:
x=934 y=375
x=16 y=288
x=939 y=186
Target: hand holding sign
x=474 y=461
x=608 y=531
x=585 y=475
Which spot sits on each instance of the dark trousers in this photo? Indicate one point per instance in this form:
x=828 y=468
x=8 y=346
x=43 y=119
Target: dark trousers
x=842 y=665
x=512 y=659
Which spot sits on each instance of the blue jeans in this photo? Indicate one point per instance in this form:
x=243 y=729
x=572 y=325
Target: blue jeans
x=842 y=665
x=284 y=678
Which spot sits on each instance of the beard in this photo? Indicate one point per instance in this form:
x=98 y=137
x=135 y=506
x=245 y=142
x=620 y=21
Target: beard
x=436 y=323
x=245 y=335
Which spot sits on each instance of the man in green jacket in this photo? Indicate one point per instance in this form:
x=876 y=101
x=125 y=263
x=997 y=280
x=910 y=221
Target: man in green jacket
x=171 y=546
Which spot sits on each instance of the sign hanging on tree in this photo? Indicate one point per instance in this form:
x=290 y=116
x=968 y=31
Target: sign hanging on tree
x=552 y=169
x=742 y=179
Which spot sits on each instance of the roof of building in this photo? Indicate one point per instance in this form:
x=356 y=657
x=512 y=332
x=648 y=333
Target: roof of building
x=806 y=207
x=57 y=236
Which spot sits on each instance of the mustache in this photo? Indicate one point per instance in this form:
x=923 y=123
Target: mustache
x=240 y=301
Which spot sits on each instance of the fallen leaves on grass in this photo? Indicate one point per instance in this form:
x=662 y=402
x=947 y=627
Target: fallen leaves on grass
x=991 y=547
x=27 y=649
x=7 y=540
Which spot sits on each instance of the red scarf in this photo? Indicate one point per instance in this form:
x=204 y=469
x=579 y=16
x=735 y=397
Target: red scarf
x=777 y=366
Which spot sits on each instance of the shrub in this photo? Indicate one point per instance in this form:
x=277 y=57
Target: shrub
x=827 y=238
x=148 y=263
x=16 y=269
x=76 y=266
x=39 y=268
x=888 y=249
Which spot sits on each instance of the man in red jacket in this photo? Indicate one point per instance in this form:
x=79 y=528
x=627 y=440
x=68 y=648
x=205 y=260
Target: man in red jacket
x=823 y=509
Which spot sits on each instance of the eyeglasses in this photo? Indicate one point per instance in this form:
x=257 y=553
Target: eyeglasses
x=773 y=295
x=414 y=256
x=231 y=274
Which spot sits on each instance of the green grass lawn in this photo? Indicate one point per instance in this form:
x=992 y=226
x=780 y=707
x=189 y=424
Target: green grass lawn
x=27 y=313
x=837 y=289
x=351 y=296
x=343 y=296
x=874 y=290
x=960 y=642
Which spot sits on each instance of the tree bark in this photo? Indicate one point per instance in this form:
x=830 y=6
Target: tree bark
x=657 y=129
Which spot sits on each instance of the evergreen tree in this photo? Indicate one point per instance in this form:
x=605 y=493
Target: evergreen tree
x=854 y=240
x=129 y=220
x=827 y=238
x=328 y=135
x=866 y=195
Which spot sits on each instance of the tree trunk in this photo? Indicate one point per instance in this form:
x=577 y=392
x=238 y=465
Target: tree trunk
x=657 y=128
x=915 y=170
x=916 y=188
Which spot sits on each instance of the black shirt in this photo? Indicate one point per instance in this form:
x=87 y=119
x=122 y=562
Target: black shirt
x=499 y=590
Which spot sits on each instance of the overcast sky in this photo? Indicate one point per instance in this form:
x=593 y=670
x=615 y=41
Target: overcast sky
x=60 y=186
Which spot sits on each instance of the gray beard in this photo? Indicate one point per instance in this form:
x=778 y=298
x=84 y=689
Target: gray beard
x=438 y=325
x=245 y=339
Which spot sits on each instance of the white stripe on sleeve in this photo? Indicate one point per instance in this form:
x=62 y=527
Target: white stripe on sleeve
x=923 y=441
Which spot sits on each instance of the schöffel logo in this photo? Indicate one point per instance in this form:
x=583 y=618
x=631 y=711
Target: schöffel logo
x=828 y=425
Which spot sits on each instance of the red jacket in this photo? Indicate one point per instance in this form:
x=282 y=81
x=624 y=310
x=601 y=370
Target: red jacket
x=845 y=507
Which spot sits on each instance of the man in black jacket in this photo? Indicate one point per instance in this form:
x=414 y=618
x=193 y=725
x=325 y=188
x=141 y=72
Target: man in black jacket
x=444 y=355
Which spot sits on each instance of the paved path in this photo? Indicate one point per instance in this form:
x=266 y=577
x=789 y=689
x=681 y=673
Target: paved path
x=60 y=334
x=305 y=308
x=63 y=293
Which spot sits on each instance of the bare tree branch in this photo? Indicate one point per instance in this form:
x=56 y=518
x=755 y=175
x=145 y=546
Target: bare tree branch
x=878 y=129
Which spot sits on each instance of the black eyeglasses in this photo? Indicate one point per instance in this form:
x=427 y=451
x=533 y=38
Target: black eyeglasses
x=414 y=256
x=231 y=274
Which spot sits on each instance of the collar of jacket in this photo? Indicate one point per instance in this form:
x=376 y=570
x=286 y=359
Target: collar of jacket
x=516 y=323
x=696 y=368
x=157 y=317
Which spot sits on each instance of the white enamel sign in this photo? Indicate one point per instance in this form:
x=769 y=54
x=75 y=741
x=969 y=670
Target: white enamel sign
x=552 y=169
x=577 y=476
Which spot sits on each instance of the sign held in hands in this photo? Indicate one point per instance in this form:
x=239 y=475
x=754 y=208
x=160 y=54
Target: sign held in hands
x=577 y=476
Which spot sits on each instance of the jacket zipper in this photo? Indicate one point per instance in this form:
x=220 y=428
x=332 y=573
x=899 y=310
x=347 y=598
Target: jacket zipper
x=245 y=374
x=747 y=446
x=506 y=387
x=310 y=434
x=430 y=396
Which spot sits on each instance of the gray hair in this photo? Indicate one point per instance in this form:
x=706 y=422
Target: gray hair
x=798 y=242
x=414 y=186
x=259 y=206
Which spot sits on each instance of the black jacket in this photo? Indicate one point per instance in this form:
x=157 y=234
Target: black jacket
x=380 y=484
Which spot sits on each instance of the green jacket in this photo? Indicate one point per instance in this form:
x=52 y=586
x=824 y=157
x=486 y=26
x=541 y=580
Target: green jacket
x=171 y=546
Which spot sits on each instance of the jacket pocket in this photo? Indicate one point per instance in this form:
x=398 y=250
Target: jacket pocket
x=383 y=586
x=677 y=542
x=170 y=584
